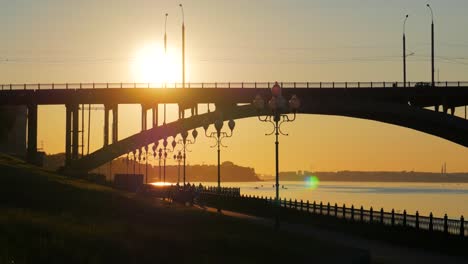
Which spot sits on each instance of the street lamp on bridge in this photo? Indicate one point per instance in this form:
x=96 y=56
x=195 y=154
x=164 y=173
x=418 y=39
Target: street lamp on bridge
x=432 y=46
x=218 y=135
x=276 y=114
x=404 y=51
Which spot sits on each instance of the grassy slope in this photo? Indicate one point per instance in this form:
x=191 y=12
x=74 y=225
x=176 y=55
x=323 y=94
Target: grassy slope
x=45 y=218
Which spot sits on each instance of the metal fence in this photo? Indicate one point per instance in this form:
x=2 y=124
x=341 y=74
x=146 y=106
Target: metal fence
x=429 y=223
x=227 y=85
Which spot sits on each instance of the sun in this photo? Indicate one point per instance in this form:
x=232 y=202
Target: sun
x=152 y=65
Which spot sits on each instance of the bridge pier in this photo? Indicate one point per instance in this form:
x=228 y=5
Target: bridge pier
x=75 y=132
x=31 y=156
x=144 y=112
x=155 y=116
x=71 y=133
x=115 y=123
x=106 y=125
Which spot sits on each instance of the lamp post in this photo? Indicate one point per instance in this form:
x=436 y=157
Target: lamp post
x=178 y=158
x=184 y=142
x=166 y=151
x=276 y=114
x=432 y=46
x=160 y=154
x=183 y=45
x=134 y=160
x=127 y=161
x=165 y=58
x=146 y=165
x=404 y=51
x=218 y=135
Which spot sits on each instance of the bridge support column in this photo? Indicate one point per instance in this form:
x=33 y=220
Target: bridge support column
x=106 y=125
x=115 y=123
x=452 y=110
x=68 y=120
x=75 y=132
x=155 y=116
x=143 y=118
x=31 y=156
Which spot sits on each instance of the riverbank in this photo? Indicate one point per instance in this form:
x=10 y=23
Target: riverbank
x=47 y=218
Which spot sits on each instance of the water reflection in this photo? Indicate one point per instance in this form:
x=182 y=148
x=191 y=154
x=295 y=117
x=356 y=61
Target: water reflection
x=439 y=198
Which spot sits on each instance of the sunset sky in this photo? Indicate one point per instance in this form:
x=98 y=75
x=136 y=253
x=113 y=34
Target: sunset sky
x=245 y=41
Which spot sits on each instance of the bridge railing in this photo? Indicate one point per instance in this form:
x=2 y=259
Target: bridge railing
x=227 y=85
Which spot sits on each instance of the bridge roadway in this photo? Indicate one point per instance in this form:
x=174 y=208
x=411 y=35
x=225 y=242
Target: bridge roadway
x=451 y=96
x=388 y=103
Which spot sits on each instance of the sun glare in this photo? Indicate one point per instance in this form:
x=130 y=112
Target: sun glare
x=151 y=65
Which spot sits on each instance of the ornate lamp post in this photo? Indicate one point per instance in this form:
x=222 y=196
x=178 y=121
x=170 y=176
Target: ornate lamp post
x=219 y=136
x=277 y=114
x=127 y=161
x=184 y=142
x=134 y=160
x=145 y=158
x=160 y=154
x=166 y=151
x=178 y=158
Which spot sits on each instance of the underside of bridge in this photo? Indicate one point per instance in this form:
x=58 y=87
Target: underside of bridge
x=439 y=124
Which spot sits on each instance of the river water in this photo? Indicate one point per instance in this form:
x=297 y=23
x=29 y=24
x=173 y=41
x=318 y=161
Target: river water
x=438 y=198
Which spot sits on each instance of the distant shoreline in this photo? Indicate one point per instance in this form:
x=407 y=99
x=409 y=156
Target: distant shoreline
x=359 y=176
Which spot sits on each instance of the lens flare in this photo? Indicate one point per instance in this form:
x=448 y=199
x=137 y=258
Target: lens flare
x=312 y=182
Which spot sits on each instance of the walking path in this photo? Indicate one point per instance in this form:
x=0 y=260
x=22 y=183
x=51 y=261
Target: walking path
x=380 y=252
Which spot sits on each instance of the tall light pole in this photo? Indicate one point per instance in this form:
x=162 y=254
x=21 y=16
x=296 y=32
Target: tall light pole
x=178 y=158
x=165 y=57
x=146 y=165
x=166 y=151
x=183 y=45
x=404 y=51
x=432 y=46
x=219 y=136
x=184 y=142
x=277 y=115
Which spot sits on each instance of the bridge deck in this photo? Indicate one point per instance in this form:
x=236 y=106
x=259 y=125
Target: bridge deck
x=417 y=96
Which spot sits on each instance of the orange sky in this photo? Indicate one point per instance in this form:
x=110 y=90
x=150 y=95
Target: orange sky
x=95 y=41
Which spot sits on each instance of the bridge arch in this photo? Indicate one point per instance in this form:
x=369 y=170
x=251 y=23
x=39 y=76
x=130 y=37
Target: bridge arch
x=442 y=125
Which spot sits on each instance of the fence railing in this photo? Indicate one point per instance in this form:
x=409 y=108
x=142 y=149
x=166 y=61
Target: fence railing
x=227 y=85
x=429 y=223
x=227 y=191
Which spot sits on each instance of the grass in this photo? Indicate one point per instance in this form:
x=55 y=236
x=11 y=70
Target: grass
x=47 y=218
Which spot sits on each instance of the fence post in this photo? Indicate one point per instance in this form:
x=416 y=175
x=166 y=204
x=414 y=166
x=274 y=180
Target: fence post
x=302 y=205
x=295 y=204
x=417 y=220
x=462 y=226
x=336 y=210
x=308 y=206
x=313 y=207
x=362 y=214
x=352 y=212
x=404 y=217
x=371 y=216
x=328 y=208
x=344 y=211
x=290 y=202
x=321 y=206
x=381 y=215
x=393 y=217
x=445 y=224
x=431 y=227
